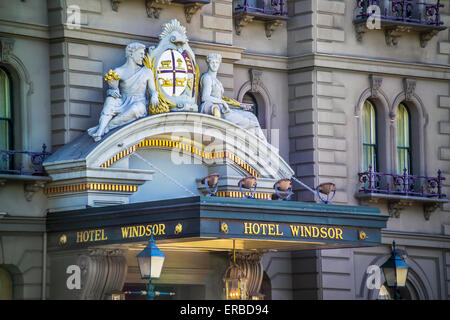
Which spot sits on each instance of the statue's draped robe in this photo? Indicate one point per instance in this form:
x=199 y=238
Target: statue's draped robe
x=133 y=102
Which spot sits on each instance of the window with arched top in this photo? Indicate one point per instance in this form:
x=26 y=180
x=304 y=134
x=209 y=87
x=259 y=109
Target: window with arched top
x=6 y=115
x=403 y=139
x=369 y=124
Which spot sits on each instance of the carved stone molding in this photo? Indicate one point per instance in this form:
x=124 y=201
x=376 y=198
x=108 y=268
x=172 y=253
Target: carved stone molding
x=115 y=5
x=375 y=85
x=395 y=206
x=409 y=86
x=271 y=26
x=31 y=188
x=255 y=79
x=6 y=48
x=240 y=21
x=154 y=8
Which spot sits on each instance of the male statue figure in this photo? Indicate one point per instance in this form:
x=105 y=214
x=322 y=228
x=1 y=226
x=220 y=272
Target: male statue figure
x=126 y=97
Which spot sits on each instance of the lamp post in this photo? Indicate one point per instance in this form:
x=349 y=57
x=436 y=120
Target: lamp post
x=150 y=261
x=395 y=271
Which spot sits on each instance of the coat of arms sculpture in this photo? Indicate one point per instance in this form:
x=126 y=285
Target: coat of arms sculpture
x=176 y=71
x=165 y=79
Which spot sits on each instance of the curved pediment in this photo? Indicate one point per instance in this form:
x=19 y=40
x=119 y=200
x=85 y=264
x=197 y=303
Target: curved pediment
x=173 y=151
x=196 y=130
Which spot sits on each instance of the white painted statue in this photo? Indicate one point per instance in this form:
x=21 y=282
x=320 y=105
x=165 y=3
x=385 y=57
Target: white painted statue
x=214 y=103
x=126 y=97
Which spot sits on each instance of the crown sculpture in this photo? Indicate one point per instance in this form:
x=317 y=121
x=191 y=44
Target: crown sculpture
x=169 y=74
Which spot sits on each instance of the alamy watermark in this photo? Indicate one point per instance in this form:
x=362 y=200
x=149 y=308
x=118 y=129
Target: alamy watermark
x=373 y=277
x=374 y=19
x=74 y=280
x=73 y=17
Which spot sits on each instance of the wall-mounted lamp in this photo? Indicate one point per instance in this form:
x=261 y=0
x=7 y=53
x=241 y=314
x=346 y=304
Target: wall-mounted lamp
x=283 y=189
x=211 y=183
x=327 y=188
x=234 y=280
x=249 y=183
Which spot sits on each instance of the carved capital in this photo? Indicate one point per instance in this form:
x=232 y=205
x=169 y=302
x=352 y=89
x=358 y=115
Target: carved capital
x=271 y=26
x=241 y=21
x=375 y=85
x=6 y=48
x=409 y=86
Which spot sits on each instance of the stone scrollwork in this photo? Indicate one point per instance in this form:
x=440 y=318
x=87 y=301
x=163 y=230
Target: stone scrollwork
x=190 y=9
x=271 y=26
x=102 y=272
x=154 y=8
x=240 y=21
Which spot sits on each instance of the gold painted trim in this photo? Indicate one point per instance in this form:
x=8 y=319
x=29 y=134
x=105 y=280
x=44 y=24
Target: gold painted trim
x=182 y=146
x=91 y=187
x=238 y=194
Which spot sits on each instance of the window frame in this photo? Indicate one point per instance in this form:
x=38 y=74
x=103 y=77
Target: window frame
x=370 y=145
x=407 y=148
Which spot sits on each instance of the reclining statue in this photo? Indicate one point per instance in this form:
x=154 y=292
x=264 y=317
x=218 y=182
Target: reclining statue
x=126 y=97
x=215 y=104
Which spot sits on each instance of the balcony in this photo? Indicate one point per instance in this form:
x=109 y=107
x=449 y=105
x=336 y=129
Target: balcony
x=25 y=167
x=399 y=16
x=272 y=13
x=402 y=190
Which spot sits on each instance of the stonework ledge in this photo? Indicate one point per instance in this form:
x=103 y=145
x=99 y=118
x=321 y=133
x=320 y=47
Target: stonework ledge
x=396 y=203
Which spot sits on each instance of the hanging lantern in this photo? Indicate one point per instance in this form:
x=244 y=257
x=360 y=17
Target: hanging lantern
x=151 y=261
x=235 y=283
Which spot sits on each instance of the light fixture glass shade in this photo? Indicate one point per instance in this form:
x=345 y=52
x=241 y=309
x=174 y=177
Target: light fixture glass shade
x=395 y=270
x=235 y=283
x=151 y=261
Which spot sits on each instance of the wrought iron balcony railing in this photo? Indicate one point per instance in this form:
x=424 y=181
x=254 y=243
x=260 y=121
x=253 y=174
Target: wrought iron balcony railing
x=400 y=16
x=401 y=184
x=272 y=7
x=12 y=162
x=273 y=12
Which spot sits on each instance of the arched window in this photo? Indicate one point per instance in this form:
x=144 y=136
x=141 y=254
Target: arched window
x=403 y=139
x=250 y=98
x=369 y=122
x=6 y=117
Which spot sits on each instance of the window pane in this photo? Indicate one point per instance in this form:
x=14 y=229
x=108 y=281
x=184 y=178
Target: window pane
x=369 y=136
x=403 y=140
x=5 y=111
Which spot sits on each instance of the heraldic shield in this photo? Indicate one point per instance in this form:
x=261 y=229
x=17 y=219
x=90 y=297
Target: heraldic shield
x=176 y=72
